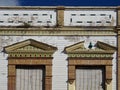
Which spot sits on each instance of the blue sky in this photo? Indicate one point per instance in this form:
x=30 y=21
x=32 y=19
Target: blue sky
x=59 y=2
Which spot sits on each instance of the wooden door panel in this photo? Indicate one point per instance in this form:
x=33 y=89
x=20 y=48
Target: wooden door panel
x=29 y=78
x=90 y=79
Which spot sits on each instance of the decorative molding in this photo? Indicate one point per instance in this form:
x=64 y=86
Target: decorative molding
x=30 y=48
x=71 y=81
x=105 y=46
x=94 y=55
x=29 y=52
x=108 y=81
x=34 y=55
x=100 y=55
x=102 y=50
x=58 y=31
x=59 y=7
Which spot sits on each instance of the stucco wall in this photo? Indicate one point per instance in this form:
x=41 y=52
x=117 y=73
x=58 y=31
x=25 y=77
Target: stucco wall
x=90 y=18
x=59 y=69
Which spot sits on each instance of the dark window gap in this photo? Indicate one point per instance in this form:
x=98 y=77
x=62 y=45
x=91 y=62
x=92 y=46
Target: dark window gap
x=15 y=14
x=25 y=14
x=6 y=14
x=10 y=21
x=102 y=14
x=92 y=14
x=44 y=14
x=89 y=21
x=50 y=16
x=29 y=21
x=98 y=21
x=48 y=21
x=79 y=21
x=109 y=16
x=1 y=21
x=82 y=14
x=20 y=21
x=70 y=19
x=108 y=22
x=73 y=14
x=39 y=21
x=35 y=14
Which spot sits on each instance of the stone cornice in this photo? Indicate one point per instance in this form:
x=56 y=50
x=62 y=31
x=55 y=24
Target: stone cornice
x=28 y=7
x=35 y=54
x=118 y=29
x=55 y=7
x=90 y=56
x=91 y=52
x=58 y=31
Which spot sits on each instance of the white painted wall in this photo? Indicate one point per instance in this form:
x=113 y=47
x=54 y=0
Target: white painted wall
x=3 y=71
x=89 y=18
x=48 y=17
x=59 y=69
x=32 y=17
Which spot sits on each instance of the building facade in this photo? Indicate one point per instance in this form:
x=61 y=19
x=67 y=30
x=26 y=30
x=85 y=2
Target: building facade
x=59 y=48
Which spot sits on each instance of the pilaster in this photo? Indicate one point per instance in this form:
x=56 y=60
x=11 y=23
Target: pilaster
x=11 y=77
x=118 y=61
x=118 y=38
x=60 y=16
x=118 y=15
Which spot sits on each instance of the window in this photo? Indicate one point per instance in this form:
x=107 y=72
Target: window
x=30 y=77
x=92 y=77
x=89 y=72
x=34 y=72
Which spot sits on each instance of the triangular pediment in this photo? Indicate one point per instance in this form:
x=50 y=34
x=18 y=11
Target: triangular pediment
x=99 y=47
x=104 y=46
x=75 y=47
x=30 y=45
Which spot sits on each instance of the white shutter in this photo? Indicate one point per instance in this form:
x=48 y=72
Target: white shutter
x=89 y=79
x=29 y=78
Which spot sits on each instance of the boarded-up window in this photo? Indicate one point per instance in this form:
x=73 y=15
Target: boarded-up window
x=90 y=78
x=29 y=78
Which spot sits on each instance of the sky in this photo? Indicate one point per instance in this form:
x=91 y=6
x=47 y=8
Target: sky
x=59 y=2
